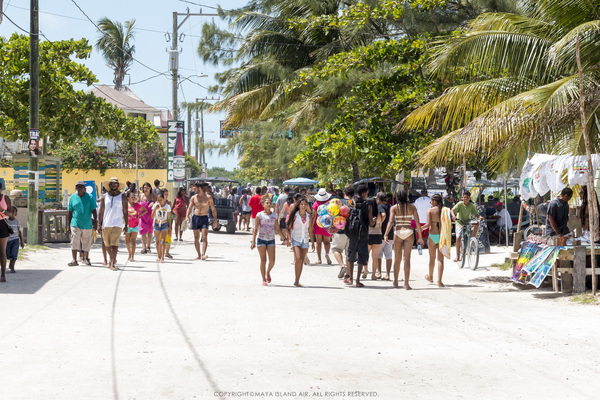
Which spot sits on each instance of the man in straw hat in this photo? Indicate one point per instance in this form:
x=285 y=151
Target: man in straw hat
x=81 y=221
x=113 y=218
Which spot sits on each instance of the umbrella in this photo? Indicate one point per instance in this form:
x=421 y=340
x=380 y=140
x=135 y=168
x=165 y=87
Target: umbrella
x=300 y=182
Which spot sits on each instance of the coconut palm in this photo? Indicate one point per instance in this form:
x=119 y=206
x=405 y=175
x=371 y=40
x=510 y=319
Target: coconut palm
x=116 y=45
x=272 y=53
x=521 y=90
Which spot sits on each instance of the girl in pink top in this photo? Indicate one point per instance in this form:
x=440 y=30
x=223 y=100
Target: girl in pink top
x=136 y=210
x=5 y=205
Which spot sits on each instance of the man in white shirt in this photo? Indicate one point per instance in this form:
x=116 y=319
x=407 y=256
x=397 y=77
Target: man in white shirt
x=503 y=220
x=422 y=204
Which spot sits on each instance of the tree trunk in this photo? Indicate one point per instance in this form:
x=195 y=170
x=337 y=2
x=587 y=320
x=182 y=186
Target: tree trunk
x=355 y=174
x=593 y=212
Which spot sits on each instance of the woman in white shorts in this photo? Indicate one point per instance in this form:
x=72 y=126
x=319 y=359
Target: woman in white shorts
x=301 y=232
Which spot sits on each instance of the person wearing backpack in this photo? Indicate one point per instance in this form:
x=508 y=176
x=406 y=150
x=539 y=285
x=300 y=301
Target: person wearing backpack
x=339 y=241
x=402 y=214
x=357 y=230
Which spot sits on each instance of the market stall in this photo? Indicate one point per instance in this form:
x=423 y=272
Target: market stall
x=566 y=256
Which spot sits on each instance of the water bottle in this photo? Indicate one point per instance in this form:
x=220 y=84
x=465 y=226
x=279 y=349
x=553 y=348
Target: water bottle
x=420 y=249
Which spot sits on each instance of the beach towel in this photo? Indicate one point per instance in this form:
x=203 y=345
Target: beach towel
x=541 y=270
x=528 y=250
x=446 y=232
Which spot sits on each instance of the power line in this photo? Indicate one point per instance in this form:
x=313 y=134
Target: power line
x=15 y=24
x=147 y=79
x=100 y=30
x=203 y=5
x=79 y=19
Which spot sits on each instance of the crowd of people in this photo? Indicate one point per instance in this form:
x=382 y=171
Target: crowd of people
x=149 y=214
x=389 y=226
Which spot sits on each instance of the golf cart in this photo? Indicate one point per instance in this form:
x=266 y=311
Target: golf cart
x=225 y=207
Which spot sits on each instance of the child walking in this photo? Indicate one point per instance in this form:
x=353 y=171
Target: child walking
x=135 y=210
x=267 y=222
x=160 y=214
x=15 y=239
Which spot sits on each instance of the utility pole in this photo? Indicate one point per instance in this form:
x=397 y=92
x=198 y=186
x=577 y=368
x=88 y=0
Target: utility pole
x=34 y=122
x=174 y=54
x=202 y=160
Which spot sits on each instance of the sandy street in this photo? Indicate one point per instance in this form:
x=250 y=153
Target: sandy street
x=208 y=329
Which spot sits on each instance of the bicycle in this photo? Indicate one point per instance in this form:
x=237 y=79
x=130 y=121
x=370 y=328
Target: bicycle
x=535 y=229
x=471 y=246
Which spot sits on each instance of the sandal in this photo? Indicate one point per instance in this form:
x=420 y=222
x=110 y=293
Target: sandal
x=268 y=279
x=73 y=263
x=428 y=278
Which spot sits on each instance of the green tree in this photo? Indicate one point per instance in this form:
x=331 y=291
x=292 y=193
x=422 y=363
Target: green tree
x=522 y=90
x=117 y=48
x=83 y=154
x=65 y=114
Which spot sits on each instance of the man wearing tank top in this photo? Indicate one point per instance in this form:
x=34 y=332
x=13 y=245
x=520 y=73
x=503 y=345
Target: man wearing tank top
x=113 y=218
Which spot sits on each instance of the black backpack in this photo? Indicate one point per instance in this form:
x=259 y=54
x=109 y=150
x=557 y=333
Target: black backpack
x=354 y=225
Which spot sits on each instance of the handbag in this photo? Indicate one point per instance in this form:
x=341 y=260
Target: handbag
x=9 y=228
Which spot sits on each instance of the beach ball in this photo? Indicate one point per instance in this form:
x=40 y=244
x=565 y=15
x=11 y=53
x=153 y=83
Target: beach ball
x=333 y=209
x=339 y=222
x=344 y=211
x=332 y=230
x=322 y=209
x=326 y=221
x=337 y=202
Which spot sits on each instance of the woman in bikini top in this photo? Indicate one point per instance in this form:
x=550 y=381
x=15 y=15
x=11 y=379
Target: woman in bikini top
x=403 y=213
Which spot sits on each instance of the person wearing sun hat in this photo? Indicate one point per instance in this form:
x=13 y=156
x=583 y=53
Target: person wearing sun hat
x=322 y=237
x=81 y=221
x=113 y=218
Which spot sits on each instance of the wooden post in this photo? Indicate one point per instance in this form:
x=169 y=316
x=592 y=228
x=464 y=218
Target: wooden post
x=520 y=217
x=579 y=266
x=593 y=212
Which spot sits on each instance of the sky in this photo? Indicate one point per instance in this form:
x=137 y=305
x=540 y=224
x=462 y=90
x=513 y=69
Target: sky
x=61 y=19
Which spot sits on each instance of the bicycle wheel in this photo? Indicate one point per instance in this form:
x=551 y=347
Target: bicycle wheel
x=473 y=253
x=463 y=251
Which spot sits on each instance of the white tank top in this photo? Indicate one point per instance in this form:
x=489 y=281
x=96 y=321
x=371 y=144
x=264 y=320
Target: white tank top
x=300 y=229
x=113 y=211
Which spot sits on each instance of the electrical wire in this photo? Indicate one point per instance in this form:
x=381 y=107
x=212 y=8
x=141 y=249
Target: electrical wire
x=100 y=30
x=15 y=24
x=80 y=19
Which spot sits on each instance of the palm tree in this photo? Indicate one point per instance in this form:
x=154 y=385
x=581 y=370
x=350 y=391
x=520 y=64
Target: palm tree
x=272 y=53
x=520 y=86
x=116 y=45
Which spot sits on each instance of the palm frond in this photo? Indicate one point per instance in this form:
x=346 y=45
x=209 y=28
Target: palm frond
x=563 y=51
x=492 y=53
x=564 y=14
x=508 y=22
x=459 y=105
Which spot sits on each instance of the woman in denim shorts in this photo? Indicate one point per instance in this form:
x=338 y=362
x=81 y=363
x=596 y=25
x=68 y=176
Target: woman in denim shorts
x=301 y=232
x=265 y=229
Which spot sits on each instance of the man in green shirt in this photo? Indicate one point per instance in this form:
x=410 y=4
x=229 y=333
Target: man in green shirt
x=81 y=221
x=463 y=213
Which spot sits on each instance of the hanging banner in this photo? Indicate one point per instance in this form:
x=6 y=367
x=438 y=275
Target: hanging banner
x=175 y=162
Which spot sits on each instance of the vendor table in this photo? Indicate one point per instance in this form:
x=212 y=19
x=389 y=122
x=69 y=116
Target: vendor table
x=571 y=264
